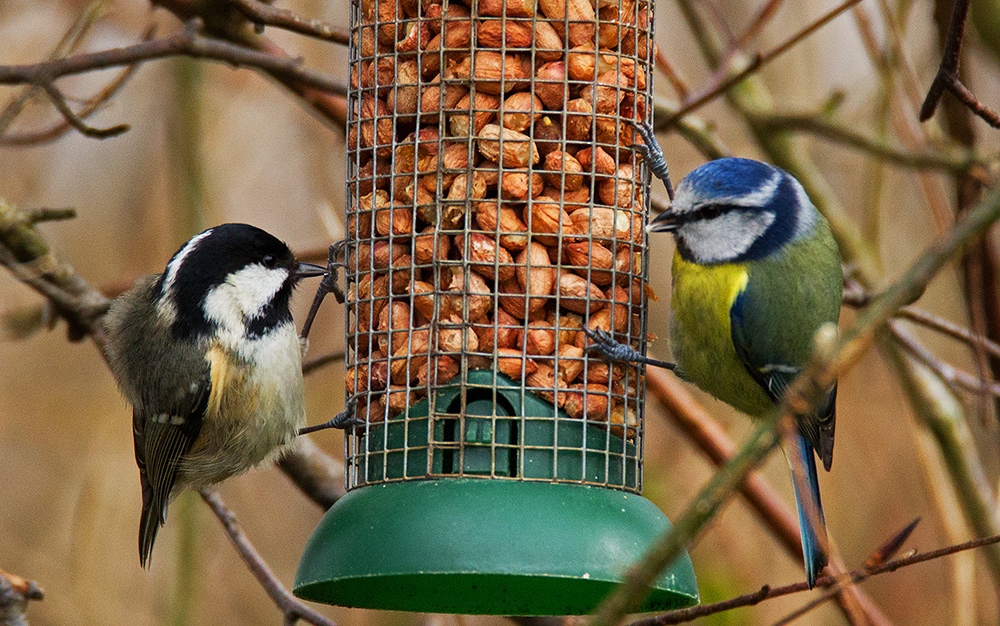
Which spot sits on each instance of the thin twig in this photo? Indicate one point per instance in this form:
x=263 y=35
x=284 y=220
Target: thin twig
x=74 y=120
x=289 y=605
x=264 y=14
x=831 y=585
x=187 y=41
x=953 y=160
x=756 y=62
x=927 y=319
x=947 y=77
x=91 y=106
x=947 y=372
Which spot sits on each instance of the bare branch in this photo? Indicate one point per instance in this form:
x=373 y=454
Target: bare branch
x=832 y=586
x=74 y=120
x=754 y=65
x=323 y=360
x=318 y=475
x=187 y=41
x=954 y=159
x=91 y=106
x=947 y=75
x=266 y=15
x=290 y=607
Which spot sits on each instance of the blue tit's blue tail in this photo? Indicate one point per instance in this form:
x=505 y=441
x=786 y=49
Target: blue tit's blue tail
x=812 y=545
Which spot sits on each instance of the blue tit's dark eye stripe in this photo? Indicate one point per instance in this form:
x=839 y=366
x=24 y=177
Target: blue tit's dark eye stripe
x=705 y=212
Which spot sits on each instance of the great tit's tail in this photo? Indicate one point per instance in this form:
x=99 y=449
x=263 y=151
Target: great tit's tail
x=813 y=536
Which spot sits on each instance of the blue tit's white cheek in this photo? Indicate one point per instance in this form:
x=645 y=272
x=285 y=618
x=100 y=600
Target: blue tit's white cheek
x=806 y=213
x=243 y=296
x=725 y=237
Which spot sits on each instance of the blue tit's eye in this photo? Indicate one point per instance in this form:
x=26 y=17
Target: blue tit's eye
x=270 y=261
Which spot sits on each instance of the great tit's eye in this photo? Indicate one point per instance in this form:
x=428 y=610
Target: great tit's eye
x=270 y=261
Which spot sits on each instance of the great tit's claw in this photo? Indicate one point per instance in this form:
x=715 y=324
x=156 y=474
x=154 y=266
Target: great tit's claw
x=604 y=343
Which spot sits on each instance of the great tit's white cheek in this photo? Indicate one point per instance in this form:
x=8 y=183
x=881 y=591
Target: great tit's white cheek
x=725 y=237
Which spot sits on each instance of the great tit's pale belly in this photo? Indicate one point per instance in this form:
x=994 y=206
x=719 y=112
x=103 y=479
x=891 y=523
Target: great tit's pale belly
x=701 y=333
x=251 y=418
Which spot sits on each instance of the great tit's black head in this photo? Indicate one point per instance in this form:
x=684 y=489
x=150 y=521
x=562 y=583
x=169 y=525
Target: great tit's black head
x=235 y=277
x=736 y=210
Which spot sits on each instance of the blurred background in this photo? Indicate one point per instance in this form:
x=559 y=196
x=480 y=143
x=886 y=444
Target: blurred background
x=208 y=144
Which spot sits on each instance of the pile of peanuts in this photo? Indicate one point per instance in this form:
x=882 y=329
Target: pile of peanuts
x=494 y=207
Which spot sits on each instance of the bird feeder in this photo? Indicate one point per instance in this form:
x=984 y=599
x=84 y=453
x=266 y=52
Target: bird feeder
x=495 y=212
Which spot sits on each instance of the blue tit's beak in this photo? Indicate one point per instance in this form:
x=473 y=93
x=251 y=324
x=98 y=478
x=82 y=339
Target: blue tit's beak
x=664 y=223
x=308 y=270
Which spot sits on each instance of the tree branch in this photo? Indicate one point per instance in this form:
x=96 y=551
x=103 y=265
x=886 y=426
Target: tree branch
x=290 y=607
x=266 y=15
x=188 y=42
x=947 y=75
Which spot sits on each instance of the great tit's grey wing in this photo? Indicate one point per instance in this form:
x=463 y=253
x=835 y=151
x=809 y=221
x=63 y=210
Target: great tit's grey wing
x=759 y=346
x=162 y=436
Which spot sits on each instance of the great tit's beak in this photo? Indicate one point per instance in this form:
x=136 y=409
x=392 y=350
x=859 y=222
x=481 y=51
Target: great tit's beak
x=664 y=223
x=309 y=270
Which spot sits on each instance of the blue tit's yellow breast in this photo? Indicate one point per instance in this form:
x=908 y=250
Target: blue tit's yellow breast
x=701 y=334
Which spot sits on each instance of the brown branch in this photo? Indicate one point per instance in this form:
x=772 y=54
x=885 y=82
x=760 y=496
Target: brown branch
x=290 y=607
x=91 y=106
x=59 y=101
x=947 y=78
x=713 y=440
x=756 y=62
x=187 y=42
x=832 y=585
x=943 y=326
x=266 y=15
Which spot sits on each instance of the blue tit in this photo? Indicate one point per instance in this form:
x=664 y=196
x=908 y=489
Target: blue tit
x=756 y=272
x=207 y=355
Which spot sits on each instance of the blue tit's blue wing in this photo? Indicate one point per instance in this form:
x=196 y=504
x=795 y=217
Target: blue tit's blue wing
x=773 y=359
x=762 y=357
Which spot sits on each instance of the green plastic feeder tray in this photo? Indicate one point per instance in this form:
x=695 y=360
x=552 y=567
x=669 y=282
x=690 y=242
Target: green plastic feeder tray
x=495 y=530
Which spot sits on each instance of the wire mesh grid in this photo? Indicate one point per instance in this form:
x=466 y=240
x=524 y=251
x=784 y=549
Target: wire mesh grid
x=495 y=209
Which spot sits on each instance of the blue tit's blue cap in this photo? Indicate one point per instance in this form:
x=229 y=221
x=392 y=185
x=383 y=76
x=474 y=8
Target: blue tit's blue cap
x=730 y=177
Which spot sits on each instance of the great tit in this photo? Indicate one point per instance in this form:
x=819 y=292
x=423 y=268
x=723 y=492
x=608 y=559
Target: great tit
x=207 y=355
x=756 y=273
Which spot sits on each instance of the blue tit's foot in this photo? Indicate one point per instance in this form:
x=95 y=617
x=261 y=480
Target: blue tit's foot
x=652 y=153
x=603 y=343
x=345 y=420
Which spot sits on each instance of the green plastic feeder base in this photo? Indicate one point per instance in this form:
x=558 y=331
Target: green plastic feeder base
x=498 y=547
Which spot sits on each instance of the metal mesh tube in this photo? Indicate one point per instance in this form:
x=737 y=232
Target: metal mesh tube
x=495 y=208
